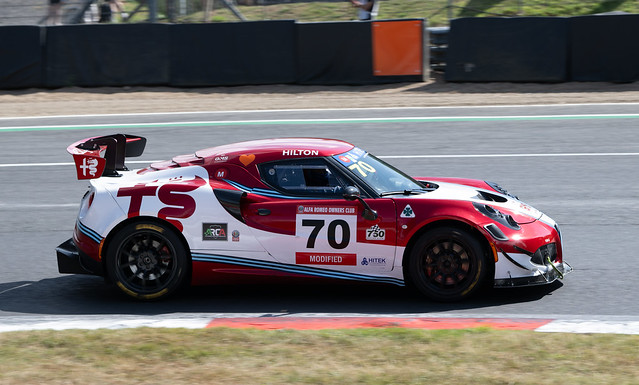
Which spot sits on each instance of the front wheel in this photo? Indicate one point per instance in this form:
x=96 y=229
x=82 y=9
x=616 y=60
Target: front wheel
x=147 y=260
x=448 y=264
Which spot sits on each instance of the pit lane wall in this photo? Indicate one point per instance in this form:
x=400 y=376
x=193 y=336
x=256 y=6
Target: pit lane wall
x=526 y=49
x=217 y=54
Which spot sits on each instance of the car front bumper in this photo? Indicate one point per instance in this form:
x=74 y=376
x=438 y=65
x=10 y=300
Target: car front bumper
x=540 y=275
x=73 y=261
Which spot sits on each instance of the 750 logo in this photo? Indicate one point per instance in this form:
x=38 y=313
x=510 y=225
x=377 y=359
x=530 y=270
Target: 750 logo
x=375 y=233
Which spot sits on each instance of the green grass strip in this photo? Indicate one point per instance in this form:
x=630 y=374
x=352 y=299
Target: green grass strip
x=362 y=356
x=319 y=122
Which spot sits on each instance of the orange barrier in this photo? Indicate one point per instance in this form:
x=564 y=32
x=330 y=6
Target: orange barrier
x=398 y=47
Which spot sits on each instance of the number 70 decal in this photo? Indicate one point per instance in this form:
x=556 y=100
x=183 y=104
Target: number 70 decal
x=357 y=165
x=318 y=224
x=361 y=167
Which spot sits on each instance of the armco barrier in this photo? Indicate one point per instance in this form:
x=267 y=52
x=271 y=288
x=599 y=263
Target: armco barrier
x=527 y=49
x=604 y=48
x=20 y=57
x=107 y=55
x=261 y=52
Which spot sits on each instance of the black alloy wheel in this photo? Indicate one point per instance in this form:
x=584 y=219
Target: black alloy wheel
x=448 y=264
x=147 y=260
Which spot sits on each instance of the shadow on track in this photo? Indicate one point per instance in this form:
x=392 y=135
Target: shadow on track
x=71 y=295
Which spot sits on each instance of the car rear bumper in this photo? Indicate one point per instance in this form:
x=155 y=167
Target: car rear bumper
x=73 y=261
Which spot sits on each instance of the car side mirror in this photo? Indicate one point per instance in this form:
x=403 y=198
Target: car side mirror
x=352 y=193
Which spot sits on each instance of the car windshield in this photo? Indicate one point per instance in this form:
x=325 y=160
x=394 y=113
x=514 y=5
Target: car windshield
x=382 y=177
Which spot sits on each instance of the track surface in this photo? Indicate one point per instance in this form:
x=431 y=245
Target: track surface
x=589 y=184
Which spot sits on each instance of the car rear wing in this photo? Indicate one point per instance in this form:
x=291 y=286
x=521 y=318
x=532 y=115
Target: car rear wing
x=89 y=162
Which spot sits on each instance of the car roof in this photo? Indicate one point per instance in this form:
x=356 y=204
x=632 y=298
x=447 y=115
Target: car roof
x=279 y=148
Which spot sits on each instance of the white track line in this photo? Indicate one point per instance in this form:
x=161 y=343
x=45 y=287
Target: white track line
x=319 y=110
x=577 y=154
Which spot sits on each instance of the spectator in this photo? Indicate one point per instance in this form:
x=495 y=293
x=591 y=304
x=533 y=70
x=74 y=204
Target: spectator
x=117 y=7
x=105 y=12
x=54 y=14
x=365 y=8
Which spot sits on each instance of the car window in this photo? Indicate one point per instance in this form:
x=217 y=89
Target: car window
x=305 y=177
x=382 y=177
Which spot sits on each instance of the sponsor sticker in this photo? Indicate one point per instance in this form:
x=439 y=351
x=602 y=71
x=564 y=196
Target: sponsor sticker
x=247 y=159
x=407 y=212
x=88 y=167
x=326 y=229
x=353 y=156
x=300 y=152
x=330 y=210
x=221 y=173
x=373 y=261
x=375 y=233
x=172 y=194
x=235 y=236
x=338 y=259
x=215 y=232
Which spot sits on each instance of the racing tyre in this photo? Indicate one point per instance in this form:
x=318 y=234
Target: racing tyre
x=147 y=260
x=448 y=264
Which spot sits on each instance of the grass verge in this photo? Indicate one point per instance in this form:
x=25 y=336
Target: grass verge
x=437 y=12
x=363 y=356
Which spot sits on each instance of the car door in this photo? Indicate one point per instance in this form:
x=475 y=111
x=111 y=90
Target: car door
x=305 y=220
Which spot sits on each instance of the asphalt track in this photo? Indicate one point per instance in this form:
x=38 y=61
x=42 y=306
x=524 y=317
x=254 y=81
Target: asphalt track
x=577 y=163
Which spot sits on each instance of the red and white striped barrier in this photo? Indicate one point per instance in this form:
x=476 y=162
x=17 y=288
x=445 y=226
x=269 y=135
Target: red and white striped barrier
x=319 y=321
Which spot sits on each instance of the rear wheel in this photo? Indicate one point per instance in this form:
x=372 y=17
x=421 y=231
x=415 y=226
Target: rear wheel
x=147 y=260
x=448 y=264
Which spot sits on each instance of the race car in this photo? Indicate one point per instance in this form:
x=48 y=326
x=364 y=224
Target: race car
x=298 y=208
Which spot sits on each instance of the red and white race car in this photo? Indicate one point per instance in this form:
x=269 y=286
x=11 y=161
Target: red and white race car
x=302 y=208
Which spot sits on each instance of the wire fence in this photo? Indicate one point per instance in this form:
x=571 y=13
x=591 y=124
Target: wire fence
x=437 y=12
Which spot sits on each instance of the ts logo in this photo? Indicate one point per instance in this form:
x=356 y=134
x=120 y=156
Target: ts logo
x=179 y=204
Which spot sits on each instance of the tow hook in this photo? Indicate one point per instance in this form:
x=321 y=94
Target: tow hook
x=561 y=275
